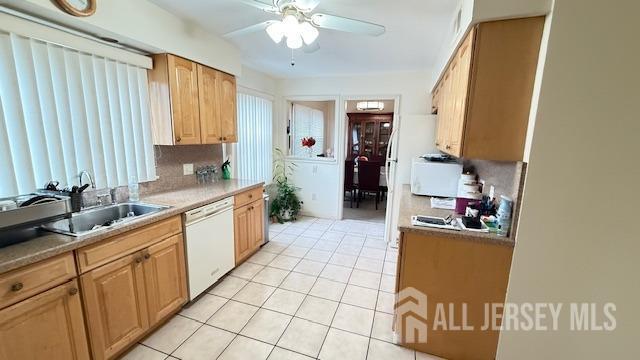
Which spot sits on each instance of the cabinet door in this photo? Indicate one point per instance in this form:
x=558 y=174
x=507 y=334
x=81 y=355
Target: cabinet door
x=209 y=100
x=228 y=107
x=459 y=97
x=46 y=326
x=115 y=305
x=165 y=278
x=444 y=112
x=256 y=210
x=242 y=233
x=183 y=83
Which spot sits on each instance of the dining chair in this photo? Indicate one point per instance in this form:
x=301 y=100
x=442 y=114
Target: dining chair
x=369 y=180
x=349 y=185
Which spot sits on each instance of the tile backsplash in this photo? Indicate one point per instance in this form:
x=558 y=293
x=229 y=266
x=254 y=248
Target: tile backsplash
x=169 y=165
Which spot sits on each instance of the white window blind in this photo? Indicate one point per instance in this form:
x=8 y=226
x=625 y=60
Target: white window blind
x=307 y=122
x=63 y=111
x=255 y=138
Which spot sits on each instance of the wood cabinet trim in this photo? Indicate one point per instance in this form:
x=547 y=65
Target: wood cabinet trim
x=32 y=279
x=95 y=255
x=247 y=197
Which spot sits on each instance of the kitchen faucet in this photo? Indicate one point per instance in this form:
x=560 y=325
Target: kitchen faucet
x=85 y=172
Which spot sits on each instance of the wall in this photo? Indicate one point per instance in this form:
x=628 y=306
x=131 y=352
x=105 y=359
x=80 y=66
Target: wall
x=417 y=128
x=577 y=239
x=145 y=25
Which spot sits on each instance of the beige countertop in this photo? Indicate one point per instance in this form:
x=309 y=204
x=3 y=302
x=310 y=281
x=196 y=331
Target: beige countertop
x=180 y=200
x=411 y=205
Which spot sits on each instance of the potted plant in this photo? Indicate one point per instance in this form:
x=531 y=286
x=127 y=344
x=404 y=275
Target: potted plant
x=285 y=205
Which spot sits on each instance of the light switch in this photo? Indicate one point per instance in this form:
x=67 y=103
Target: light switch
x=187 y=169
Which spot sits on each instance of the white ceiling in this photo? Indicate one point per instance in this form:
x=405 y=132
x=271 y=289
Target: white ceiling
x=415 y=29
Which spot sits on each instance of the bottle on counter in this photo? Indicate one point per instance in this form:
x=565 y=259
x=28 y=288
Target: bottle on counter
x=504 y=215
x=134 y=189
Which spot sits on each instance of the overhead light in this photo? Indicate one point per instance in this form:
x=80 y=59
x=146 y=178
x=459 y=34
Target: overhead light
x=370 y=105
x=309 y=33
x=294 y=42
x=296 y=32
x=276 y=31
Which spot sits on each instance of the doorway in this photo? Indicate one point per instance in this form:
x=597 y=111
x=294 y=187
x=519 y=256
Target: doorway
x=369 y=166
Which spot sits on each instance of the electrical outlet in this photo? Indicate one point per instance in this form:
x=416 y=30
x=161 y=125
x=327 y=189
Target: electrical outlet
x=187 y=169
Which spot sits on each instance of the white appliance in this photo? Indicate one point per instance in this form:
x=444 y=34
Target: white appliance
x=210 y=244
x=435 y=178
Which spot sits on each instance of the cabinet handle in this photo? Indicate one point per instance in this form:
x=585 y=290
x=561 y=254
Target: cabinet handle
x=250 y=196
x=178 y=139
x=17 y=287
x=73 y=291
x=139 y=259
x=147 y=256
x=220 y=138
x=224 y=138
x=448 y=147
x=437 y=144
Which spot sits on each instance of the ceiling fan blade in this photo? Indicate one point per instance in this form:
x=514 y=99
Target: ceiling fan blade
x=309 y=49
x=249 y=29
x=340 y=23
x=307 y=5
x=262 y=5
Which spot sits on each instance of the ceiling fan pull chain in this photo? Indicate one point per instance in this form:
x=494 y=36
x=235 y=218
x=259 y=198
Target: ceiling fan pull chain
x=293 y=61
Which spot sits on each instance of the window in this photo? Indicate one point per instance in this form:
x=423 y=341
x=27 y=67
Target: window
x=255 y=138
x=307 y=122
x=63 y=111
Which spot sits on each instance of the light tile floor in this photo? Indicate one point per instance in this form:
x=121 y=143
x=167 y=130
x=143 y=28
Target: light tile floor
x=321 y=289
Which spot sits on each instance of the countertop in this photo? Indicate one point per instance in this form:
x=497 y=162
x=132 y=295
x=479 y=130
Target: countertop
x=180 y=200
x=411 y=205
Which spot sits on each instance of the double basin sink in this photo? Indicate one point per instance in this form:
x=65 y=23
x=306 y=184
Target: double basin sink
x=95 y=219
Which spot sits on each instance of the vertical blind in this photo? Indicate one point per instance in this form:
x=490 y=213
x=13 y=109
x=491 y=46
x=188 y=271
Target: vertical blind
x=307 y=122
x=63 y=111
x=255 y=138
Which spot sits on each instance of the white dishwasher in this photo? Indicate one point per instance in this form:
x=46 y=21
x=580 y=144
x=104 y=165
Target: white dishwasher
x=210 y=244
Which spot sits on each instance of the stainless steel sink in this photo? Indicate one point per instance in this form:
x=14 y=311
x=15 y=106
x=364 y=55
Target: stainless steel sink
x=95 y=219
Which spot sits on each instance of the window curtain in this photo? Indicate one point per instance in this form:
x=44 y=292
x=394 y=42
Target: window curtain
x=255 y=138
x=307 y=122
x=63 y=111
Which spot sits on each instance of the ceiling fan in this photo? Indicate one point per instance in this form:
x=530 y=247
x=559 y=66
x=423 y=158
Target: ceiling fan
x=299 y=26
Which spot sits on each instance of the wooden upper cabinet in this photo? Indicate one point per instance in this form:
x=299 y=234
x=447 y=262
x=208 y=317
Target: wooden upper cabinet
x=47 y=326
x=165 y=277
x=183 y=82
x=483 y=97
x=116 y=305
x=191 y=103
x=228 y=107
x=209 y=94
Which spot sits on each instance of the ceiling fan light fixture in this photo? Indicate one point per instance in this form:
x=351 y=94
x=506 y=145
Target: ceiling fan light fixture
x=276 y=31
x=370 y=105
x=294 y=42
x=309 y=33
x=290 y=25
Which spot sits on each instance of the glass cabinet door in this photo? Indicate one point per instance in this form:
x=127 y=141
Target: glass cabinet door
x=356 y=134
x=384 y=136
x=369 y=139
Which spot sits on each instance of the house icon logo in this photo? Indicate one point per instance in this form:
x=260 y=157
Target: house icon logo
x=411 y=310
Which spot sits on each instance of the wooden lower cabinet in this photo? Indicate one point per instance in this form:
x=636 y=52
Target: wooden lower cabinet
x=46 y=326
x=127 y=297
x=453 y=272
x=165 y=278
x=241 y=230
x=248 y=225
x=116 y=305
